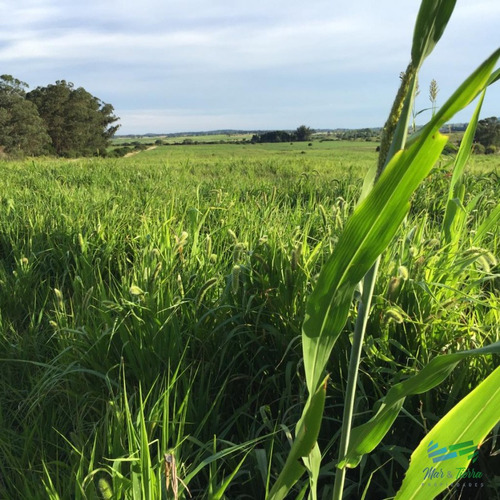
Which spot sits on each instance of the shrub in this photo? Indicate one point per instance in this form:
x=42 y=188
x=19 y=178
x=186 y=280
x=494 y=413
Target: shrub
x=479 y=149
x=450 y=149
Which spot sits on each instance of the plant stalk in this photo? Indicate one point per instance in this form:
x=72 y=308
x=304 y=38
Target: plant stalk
x=352 y=379
x=394 y=138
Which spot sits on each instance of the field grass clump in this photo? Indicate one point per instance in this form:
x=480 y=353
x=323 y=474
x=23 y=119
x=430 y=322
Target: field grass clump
x=154 y=304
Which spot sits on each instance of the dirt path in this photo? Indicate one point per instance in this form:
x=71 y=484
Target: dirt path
x=133 y=153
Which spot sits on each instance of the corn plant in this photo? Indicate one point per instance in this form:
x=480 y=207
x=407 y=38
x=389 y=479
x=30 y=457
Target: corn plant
x=383 y=205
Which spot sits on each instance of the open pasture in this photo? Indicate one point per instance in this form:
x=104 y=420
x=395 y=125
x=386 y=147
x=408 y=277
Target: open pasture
x=153 y=304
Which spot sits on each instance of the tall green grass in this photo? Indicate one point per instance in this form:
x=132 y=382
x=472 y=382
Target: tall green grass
x=119 y=279
x=119 y=329
x=153 y=306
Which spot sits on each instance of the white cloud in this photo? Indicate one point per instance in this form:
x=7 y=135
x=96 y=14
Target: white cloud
x=227 y=58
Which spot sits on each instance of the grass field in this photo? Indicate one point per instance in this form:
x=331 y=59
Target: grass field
x=178 y=139
x=295 y=158
x=153 y=304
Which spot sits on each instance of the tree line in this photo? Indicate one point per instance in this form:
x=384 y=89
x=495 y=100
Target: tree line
x=58 y=119
x=302 y=133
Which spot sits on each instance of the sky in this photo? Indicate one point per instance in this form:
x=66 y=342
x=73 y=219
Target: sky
x=196 y=65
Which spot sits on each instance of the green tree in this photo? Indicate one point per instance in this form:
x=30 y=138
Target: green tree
x=12 y=86
x=22 y=131
x=303 y=133
x=488 y=132
x=274 y=136
x=78 y=123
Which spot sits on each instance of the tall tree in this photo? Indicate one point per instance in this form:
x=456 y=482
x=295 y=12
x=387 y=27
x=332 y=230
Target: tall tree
x=78 y=123
x=488 y=132
x=303 y=133
x=22 y=131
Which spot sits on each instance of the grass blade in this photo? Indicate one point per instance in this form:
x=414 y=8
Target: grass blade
x=455 y=214
x=489 y=224
x=219 y=494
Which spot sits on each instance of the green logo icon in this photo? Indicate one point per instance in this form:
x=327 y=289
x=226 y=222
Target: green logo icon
x=439 y=454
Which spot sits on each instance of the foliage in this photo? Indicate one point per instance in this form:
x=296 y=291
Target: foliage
x=78 y=123
x=365 y=134
x=22 y=131
x=57 y=118
x=488 y=132
x=302 y=134
x=275 y=136
x=467 y=423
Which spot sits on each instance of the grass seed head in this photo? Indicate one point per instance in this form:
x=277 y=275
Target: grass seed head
x=135 y=291
x=394 y=287
x=59 y=299
x=296 y=255
x=239 y=251
x=393 y=314
x=235 y=278
x=403 y=272
x=203 y=290
x=209 y=245
x=105 y=489
x=181 y=286
x=156 y=272
x=483 y=263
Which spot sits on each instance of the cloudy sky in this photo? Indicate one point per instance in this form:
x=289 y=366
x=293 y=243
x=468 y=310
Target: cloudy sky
x=190 y=65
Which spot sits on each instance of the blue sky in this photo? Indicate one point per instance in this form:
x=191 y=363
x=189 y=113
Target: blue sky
x=190 y=65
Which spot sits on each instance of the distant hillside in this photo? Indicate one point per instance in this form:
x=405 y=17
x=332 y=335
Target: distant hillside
x=452 y=127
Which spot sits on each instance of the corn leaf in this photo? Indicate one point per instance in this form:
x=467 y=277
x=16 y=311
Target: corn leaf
x=495 y=76
x=469 y=421
x=371 y=228
x=304 y=445
x=432 y=19
x=367 y=233
x=455 y=214
x=366 y=437
x=481 y=78
x=465 y=149
x=313 y=466
x=433 y=16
